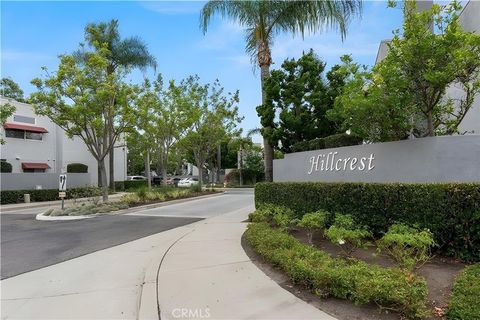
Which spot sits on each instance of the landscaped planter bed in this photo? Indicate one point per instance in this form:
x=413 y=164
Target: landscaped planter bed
x=437 y=276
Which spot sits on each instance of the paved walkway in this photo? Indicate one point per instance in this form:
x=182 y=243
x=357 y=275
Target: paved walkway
x=195 y=271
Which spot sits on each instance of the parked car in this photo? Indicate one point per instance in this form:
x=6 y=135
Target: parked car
x=188 y=182
x=132 y=178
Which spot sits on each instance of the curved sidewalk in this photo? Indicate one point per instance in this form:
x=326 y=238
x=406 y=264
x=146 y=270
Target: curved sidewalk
x=206 y=274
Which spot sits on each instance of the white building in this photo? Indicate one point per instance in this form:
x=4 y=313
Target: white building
x=470 y=21
x=35 y=144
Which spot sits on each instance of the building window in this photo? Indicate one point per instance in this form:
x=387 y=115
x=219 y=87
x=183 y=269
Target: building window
x=33 y=135
x=23 y=119
x=21 y=134
x=11 y=133
x=34 y=170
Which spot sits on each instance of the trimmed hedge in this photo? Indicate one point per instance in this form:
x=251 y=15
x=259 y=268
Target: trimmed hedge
x=333 y=141
x=77 y=168
x=5 y=167
x=464 y=304
x=351 y=279
x=16 y=196
x=451 y=211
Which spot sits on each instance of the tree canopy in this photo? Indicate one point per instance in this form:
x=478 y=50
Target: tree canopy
x=11 y=89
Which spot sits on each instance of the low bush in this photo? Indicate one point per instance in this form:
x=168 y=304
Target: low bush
x=85 y=209
x=409 y=247
x=16 y=196
x=354 y=280
x=346 y=234
x=314 y=221
x=144 y=195
x=273 y=215
x=77 y=168
x=119 y=185
x=464 y=303
x=5 y=167
x=451 y=211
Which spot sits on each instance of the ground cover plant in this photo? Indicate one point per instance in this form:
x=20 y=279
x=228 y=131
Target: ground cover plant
x=85 y=209
x=464 y=303
x=355 y=280
x=144 y=195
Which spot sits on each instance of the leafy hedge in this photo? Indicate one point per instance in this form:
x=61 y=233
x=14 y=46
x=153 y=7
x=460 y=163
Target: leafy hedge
x=5 y=167
x=333 y=141
x=77 y=168
x=134 y=184
x=351 y=279
x=464 y=304
x=451 y=211
x=16 y=196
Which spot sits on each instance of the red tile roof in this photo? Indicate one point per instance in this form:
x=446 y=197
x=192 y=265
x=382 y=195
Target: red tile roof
x=35 y=165
x=25 y=127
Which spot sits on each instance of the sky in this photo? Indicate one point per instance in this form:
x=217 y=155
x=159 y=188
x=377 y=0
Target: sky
x=33 y=34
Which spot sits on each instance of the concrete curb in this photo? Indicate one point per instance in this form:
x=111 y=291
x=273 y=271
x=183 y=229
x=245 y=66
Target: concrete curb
x=42 y=217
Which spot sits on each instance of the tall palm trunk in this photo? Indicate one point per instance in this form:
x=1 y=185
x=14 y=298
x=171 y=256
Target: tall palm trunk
x=265 y=60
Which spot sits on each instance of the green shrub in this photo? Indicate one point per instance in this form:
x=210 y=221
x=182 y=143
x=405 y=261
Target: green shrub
x=464 y=303
x=268 y=213
x=120 y=185
x=77 y=168
x=451 y=211
x=333 y=141
x=353 y=280
x=134 y=184
x=409 y=247
x=346 y=234
x=341 y=140
x=314 y=221
x=5 y=167
x=16 y=196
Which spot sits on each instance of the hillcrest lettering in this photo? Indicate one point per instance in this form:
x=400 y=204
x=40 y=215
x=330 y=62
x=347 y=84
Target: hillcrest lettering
x=331 y=162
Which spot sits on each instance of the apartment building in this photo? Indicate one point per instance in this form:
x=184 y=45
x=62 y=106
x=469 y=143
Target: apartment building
x=34 y=144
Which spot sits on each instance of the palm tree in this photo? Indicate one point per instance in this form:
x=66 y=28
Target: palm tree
x=126 y=53
x=263 y=20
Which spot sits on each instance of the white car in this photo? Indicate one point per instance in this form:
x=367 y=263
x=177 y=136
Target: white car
x=187 y=182
x=132 y=178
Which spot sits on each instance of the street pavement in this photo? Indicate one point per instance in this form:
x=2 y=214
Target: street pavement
x=198 y=270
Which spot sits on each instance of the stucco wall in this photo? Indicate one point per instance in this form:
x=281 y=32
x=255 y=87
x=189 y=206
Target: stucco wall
x=435 y=159
x=27 y=181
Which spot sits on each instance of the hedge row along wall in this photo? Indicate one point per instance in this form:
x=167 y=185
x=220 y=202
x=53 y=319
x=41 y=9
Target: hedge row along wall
x=16 y=196
x=451 y=211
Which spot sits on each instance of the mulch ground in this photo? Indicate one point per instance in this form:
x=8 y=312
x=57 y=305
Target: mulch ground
x=439 y=274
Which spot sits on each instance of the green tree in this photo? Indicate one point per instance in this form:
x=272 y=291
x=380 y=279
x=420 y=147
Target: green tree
x=6 y=110
x=371 y=105
x=214 y=116
x=299 y=95
x=165 y=115
x=87 y=102
x=125 y=53
x=405 y=94
x=263 y=20
x=11 y=89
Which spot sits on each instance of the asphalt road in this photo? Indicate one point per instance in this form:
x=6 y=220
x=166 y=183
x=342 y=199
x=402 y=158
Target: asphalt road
x=28 y=244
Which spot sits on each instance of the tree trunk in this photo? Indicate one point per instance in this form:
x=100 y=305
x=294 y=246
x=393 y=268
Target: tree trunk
x=267 y=148
x=219 y=162
x=200 y=172
x=148 y=171
x=164 y=175
x=103 y=175
x=430 y=128
x=111 y=168
x=99 y=177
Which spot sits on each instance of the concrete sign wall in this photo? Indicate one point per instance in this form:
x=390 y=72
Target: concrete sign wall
x=433 y=159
